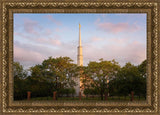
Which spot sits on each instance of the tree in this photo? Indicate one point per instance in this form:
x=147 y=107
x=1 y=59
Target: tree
x=19 y=71
x=129 y=78
x=99 y=73
x=57 y=71
x=142 y=69
x=19 y=81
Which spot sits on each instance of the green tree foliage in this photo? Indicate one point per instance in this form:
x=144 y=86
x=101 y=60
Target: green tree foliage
x=142 y=68
x=19 y=71
x=20 y=87
x=67 y=91
x=59 y=72
x=129 y=78
x=96 y=75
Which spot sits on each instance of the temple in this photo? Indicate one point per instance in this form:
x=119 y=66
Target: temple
x=79 y=63
x=80 y=55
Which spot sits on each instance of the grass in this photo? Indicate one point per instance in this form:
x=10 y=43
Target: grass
x=115 y=98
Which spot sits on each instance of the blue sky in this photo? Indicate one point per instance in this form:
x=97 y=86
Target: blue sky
x=110 y=36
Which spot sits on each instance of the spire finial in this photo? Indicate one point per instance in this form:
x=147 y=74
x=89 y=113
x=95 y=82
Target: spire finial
x=80 y=55
x=79 y=34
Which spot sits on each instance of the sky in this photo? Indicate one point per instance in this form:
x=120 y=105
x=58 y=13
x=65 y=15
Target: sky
x=109 y=36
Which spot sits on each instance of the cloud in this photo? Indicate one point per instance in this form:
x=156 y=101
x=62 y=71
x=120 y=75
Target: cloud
x=95 y=39
x=53 y=20
x=45 y=42
x=20 y=34
x=31 y=54
x=48 y=41
x=58 y=30
x=22 y=54
x=27 y=57
x=116 y=27
x=48 y=32
x=30 y=26
x=121 y=49
x=33 y=32
x=134 y=52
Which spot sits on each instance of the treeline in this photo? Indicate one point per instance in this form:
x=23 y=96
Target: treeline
x=54 y=74
x=108 y=78
x=98 y=78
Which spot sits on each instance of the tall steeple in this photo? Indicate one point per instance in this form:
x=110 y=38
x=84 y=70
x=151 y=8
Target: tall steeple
x=80 y=56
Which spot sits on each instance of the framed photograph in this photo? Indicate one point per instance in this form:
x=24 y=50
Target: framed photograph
x=73 y=57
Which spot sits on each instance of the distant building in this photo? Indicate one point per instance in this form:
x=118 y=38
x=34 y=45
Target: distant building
x=79 y=63
x=78 y=87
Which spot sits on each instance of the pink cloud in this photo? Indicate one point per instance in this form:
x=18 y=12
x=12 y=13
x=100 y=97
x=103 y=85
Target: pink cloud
x=116 y=28
x=53 y=20
x=121 y=49
x=95 y=39
x=119 y=42
x=57 y=30
x=49 y=41
x=31 y=54
x=30 y=26
x=20 y=34
x=48 y=32
x=43 y=41
x=22 y=55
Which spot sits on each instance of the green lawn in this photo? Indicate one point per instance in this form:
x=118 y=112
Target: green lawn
x=116 y=98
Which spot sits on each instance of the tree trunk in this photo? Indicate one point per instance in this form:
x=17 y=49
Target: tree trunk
x=106 y=96
x=101 y=96
x=132 y=95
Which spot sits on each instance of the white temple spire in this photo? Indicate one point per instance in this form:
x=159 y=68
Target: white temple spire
x=80 y=35
x=80 y=55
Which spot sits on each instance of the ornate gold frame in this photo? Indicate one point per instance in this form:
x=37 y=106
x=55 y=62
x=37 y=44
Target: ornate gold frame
x=8 y=7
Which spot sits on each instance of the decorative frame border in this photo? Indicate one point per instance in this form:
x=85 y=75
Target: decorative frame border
x=151 y=105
